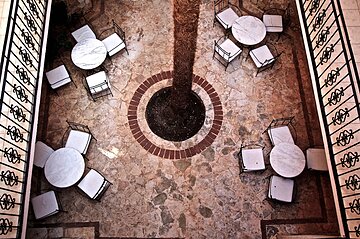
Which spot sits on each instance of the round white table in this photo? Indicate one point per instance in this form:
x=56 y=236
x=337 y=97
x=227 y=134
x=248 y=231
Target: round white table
x=287 y=160
x=64 y=167
x=88 y=54
x=248 y=30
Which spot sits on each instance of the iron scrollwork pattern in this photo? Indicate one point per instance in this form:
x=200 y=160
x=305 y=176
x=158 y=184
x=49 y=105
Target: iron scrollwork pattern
x=25 y=56
x=7 y=202
x=15 y=134
x=357 y=230
x=33 y=8
x=322 y=38
x=22 y=62
x=18 y=113
x=12 y=155
x=20 y=93
x=350 y=159
x=5 y=226
x=326 y=55
x=332 y=77
x=345 y=137
x=314 y=6
x=23 y=75
x=340 y=116
x=352 y=182
x=28 y=39
x=9 y=178
x=355 y=206
x=335 y=96
x=319 y=20
x=30 y=22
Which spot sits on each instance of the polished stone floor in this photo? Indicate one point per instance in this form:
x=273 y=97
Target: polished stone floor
x=201 y=196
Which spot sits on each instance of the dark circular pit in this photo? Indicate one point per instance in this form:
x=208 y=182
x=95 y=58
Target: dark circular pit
x=174 y=126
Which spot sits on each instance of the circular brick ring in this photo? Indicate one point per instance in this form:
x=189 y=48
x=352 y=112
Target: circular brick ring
x=171 y=153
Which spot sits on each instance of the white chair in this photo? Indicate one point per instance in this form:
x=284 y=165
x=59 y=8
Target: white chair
x=42 y=153
x=225 y=13
x=279 y=131
x=316 y=159
x=79 y=137
x=94 y=184
x=58 y=77
x=116 y=41
x=263 y=58
x=281 y=189
x=83 y=33
x=273 y=23
x=276 y=20
x=45 y=205
x=251 y=158
x=98 y=85
x=225 y=51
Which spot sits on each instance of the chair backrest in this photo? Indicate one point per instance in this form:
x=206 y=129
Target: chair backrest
x=220 y=5
x=78 y=126
x=279 y=122
x=220 y=51
x=286 y=121
x=42 y=153
x=285 y=13
x=119 y=31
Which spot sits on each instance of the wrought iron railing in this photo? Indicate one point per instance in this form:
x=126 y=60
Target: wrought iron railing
x=20 y=73
x=337 y=83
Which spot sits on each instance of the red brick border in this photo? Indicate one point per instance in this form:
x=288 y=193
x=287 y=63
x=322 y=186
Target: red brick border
x=170 y=153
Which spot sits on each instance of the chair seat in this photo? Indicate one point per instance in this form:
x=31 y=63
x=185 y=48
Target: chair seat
x=113 y=44
x=78 y=140
x=45 y=205
x=227 y=17
x=98 y=82
x=281 y=189
x=83 y=33
x=42 y=153
x=229 y=47
x=280 y=134
x=273 y=23
x=253 y=159
x=58 y=77
x=93 y=184
x=316 y=159
x=262 y=56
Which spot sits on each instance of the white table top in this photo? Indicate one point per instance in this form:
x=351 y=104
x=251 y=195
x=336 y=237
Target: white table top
x=64 y=167
x=248 y=30
x=287 y=160
x=88 y=54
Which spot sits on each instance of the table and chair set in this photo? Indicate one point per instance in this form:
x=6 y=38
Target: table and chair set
x=89 y=54
x=65 y=167
x=248 y=32
x=286 y=159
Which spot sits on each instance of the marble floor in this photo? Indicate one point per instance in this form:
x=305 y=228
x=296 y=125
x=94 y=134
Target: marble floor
x=188 y=189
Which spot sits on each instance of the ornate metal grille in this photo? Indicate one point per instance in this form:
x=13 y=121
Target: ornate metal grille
x=20 y=66
x=337 y=82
